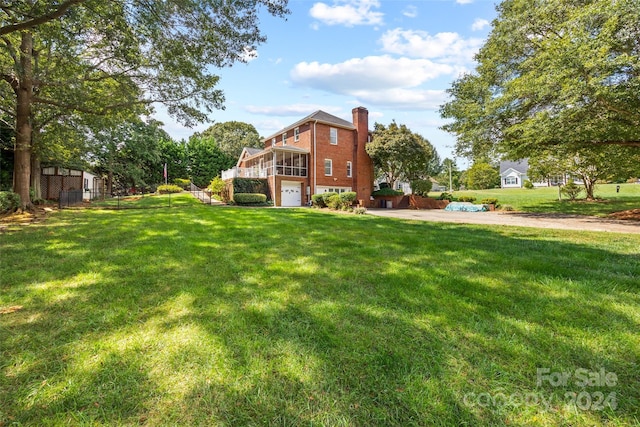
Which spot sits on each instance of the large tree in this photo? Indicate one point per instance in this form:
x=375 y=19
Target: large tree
x=206 y=160
x=233 y=136
x=96 y=57
x=400 y=154
x=553 y=73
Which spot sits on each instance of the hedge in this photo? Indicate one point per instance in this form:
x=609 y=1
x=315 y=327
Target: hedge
x=249 y=198
x=169 y=188
x=387 y=192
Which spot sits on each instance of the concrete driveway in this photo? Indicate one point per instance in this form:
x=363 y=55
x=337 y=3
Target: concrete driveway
x=518 y=219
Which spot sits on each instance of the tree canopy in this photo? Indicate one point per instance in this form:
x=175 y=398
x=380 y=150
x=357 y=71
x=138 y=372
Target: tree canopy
x=399 y=154
x=553 y=73
x=91 y=57
x=233 y=136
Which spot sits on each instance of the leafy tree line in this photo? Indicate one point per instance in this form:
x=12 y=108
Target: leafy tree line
x=556 y=79
x=68 y=67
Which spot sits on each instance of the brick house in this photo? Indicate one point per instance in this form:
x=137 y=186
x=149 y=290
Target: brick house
x=316 y=154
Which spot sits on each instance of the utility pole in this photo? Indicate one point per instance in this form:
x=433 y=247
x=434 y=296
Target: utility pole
x=450 y=181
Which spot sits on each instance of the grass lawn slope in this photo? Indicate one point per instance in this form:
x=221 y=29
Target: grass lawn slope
x=199 y=315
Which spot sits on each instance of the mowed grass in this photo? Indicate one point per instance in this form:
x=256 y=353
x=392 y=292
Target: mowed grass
x=204 y=315
x=545 y=199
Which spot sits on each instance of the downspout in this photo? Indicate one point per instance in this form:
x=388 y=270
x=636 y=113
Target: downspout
x=315 y=161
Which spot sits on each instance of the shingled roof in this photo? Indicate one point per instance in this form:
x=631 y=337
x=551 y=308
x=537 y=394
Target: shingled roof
x=521 y=166
x=321 y=117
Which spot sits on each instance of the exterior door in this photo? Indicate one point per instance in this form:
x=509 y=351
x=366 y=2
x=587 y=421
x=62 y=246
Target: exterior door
x=290 y=194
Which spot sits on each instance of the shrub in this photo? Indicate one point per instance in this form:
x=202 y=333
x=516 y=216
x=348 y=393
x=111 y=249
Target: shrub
x=249 y=198
x=169 y=188
x=446 y=196
x=217 y=185
x=421 y=187
x=466 y=199
x=348 y=197
x=387 y=192
x=9 y=201
x=185 y=184
x=528 y=184
x=326 y=196
x=360 y=211
x=250 y=185
x=334 y=202
x=318 y=201
x=571 y=190
x=489 y=201
x=508 y=208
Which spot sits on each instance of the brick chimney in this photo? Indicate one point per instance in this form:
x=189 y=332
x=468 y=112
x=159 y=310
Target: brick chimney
x=363 y=177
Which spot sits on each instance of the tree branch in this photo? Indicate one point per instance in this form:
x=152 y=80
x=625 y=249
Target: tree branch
x=7 y=29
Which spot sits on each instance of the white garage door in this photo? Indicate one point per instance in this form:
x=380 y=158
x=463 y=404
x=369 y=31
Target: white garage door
x=290 y=194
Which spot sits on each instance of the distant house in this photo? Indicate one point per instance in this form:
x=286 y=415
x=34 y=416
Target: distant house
x=513 y=174
x=317 y=154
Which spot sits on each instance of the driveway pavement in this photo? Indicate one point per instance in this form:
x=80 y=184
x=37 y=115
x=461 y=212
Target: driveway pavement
x=519 y=219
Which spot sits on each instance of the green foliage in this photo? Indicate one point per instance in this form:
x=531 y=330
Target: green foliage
x=217 y=185
x=206 y=160
x=507 y=208
x=489 y=201
x=232 y=137
x=317 y=200
x=482 y=176
x=470 y=199
x=348 y=197
x=387 y=192
x=445 y=196
x=568 y=79
x=250 y=185
x=399 y=154
x=528 y=184
x=326 y=196
x=249 y=198
x=168 y=189
x=360 y=211
x=174 y=155
x=185 y=184
x=334 y=202
x=9 y=201
x=571 y=190
x=421 y=187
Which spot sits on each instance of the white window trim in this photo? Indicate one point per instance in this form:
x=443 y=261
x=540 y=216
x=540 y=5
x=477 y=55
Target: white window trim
x=331 y=131
x=330 y=167
x=284 y=138
x=349 y=169
x=273 y=142
x=296 y=134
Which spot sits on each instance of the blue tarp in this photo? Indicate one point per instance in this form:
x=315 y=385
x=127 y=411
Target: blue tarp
x=465 y=207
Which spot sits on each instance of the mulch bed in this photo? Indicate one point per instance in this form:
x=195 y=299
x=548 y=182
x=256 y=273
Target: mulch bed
x=631 y=214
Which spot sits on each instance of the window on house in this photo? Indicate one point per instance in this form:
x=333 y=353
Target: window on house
x=273 y=142
x=333 y=136
x=328 y=167
x=284 y=138
x=296 y=134
x=348 y=169
x=86 y=183
x=511 y=180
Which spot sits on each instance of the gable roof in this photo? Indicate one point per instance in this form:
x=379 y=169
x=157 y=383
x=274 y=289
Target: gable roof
x=321 y=117
x=521 y=166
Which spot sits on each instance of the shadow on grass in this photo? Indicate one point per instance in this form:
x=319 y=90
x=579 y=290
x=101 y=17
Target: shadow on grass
x=581 y=207
x=237 y=316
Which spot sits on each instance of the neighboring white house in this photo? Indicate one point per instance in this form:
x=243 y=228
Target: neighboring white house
x=513 y=174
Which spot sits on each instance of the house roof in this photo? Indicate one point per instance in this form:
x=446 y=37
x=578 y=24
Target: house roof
x=521 y=166
x=258 y=152
x=321 y=117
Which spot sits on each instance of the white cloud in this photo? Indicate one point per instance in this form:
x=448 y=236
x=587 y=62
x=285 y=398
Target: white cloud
x=410 y=11
x=348 y=13
x=446 y=47
x=377 y=80
x=368 y=73
x=248 y=55
x=464 y=1
x=480 y=24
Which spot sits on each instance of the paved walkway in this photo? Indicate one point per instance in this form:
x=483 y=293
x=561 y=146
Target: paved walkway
x=555 y=221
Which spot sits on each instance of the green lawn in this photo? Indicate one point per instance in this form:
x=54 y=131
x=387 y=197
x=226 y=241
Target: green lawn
x=202 y=315
x=545 y=199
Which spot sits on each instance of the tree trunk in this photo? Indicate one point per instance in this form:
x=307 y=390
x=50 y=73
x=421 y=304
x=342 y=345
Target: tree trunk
x=24 y=95
x=589 y=186
x=35 y=176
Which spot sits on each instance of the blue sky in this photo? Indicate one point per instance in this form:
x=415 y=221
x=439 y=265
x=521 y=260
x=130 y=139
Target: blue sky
x=394 y=57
